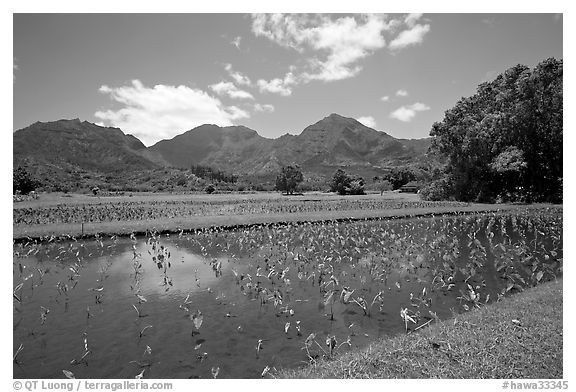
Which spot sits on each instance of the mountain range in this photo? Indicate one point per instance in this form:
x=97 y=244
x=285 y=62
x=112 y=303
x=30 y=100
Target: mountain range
x=74 y=146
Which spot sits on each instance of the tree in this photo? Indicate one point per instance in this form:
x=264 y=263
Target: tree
x=384 y=186
x=346 y=185
x=22 y=181
x=356 y=187
x=400 y=176
x=340 y=182
x=505 y=141
x=289 y=179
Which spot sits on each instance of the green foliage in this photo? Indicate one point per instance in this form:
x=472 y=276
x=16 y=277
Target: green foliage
x=440 y=189
x=340 y=182
x=210 y=189
x=346 y=185
x=399 y=177
x=288 y=179
x=22 y=181
x=384 y=186
x=212 y=174
x=506 y=140
x=356 y=187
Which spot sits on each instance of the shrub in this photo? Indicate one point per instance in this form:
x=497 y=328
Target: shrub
x=210 y=189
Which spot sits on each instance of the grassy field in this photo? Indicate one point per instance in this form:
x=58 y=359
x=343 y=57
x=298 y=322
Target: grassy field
x=76 y=215
x=519 y=337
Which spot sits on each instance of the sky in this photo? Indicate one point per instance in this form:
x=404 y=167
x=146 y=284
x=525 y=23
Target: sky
x=158 y=75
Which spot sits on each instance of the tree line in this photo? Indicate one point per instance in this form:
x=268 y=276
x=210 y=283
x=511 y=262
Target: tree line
x=212 y=174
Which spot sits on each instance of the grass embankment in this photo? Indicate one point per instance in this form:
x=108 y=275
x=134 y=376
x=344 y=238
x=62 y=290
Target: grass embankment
x=483 y=343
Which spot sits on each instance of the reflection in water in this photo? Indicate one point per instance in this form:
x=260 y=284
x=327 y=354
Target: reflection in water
x=238 y=302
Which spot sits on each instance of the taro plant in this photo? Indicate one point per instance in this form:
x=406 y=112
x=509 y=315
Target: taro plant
x=408 y=316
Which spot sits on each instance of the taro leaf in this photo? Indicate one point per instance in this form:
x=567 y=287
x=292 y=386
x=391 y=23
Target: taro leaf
x=265 y=371
x=68 y=374
x=197 y=319
x=309 y=340
x=329 y=296
x=347 y=295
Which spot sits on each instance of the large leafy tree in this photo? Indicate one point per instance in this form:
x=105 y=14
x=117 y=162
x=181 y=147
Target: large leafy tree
x=289 y=179
x=506 y=140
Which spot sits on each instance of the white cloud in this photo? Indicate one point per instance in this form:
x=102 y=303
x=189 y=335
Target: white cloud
x=369 y=121
x=411 y=19
x=402 y=93
x=414 y=35
x=229 y=89
x=162 y=112
x=277 y=85
x=407 y=113
x=236 y=42
x=264 y=108
x=237 y=76
x=338 y=43
x=385 y=98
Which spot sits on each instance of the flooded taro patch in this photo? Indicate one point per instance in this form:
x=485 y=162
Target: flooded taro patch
x=242 y=303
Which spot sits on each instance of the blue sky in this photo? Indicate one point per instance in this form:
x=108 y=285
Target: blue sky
x=158 y=75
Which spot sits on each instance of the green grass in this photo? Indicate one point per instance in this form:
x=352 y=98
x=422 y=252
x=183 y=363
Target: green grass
x=483 y=343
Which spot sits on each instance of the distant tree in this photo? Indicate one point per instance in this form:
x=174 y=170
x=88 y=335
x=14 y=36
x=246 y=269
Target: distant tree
x=212 y=174
x=22 y=181
x=289 y=179
x=343 y=184
x=399 y=177
x=340 y=182
x=384 y=186
x=356 y=187
x=95 y=190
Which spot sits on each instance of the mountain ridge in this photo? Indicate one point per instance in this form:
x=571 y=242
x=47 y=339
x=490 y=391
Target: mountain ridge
x=332 y=142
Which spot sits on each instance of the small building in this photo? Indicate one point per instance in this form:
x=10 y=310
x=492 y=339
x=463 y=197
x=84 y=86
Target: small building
x=411 y=187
